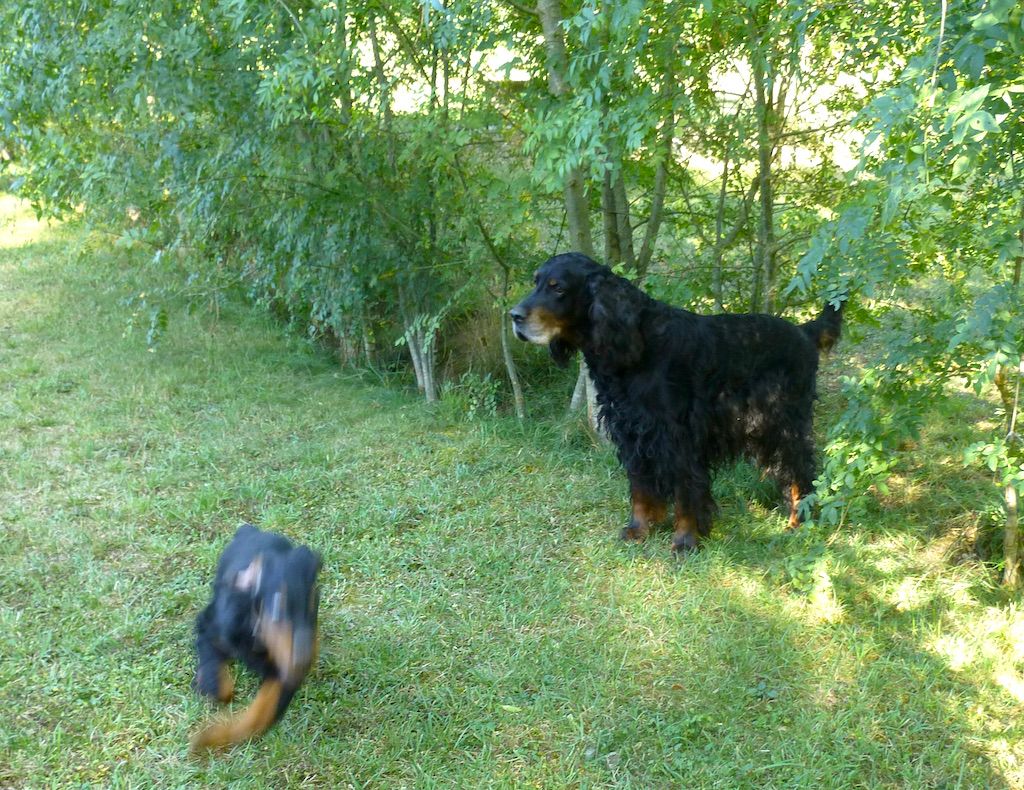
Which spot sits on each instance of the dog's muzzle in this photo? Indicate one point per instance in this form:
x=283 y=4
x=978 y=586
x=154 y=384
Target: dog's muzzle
x=518 y=322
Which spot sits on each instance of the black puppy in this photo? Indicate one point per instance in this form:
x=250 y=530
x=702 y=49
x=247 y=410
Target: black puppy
x=263 y=613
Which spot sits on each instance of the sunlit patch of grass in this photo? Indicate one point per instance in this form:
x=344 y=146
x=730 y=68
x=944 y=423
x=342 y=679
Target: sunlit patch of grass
x=19 y=226
x=482 y=624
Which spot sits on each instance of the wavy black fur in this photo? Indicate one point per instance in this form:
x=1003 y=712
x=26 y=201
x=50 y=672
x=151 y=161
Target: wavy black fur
x=229 y=627
x=679 y=393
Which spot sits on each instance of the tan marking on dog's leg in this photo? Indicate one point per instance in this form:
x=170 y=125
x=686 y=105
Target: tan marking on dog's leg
x=647 y=510
x=250 y=722
x=794 y=506
x=225 y=684
x=685 y=537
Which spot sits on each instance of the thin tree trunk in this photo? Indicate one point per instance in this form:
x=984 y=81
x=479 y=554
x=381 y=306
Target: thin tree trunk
x=367 y=348
x=578 y=212
x=612 y=251
x=417 y=361
x=643 y=260
x=763 y=295
x=427 y=356
x=579 y=392
x=716 y=272
x=382 y=84
x=1010 y=397
x=1011 y=540
x=422 y=353
x=622 y=221
x=345 y=56
x=510 y=368
x=592 y=408
x=576 y=206
x=618 y=232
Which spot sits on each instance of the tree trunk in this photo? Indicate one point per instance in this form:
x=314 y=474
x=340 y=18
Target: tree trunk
x=367 y=346
x=622 y=221
x=1010 y=397
x=510 y=368
x=578 y=213
x=427 y=346
x=618 y=232
x=421 y=350
x=579 y=392
x=385 y=96
x=576 y=207
x=1011 y=540
x=717 y=258
x=612 y=252
x=763 y=298
x=417 y=360
x=643 y=261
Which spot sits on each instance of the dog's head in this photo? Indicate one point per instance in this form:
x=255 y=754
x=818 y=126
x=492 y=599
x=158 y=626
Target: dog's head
x=285 y=600
x=579 y=304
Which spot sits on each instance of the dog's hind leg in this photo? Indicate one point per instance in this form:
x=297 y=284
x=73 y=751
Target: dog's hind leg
x=797 y=477
x=271 y=700
x=694 y=509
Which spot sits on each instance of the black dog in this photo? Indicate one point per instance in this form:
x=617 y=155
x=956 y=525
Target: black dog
x=680 y=394
x=263 y=613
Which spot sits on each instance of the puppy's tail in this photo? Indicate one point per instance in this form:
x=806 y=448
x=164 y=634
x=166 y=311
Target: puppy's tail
x=270 y=703
x=824 y=331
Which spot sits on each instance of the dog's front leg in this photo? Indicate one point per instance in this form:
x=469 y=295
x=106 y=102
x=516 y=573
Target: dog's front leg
x=647 y=510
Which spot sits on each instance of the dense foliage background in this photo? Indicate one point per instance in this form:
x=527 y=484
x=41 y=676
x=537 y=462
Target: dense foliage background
x=386 y=175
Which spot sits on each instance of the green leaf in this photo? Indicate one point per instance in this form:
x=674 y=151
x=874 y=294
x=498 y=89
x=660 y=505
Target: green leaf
x=961 y=165
x=983 y=120
x=968 y=102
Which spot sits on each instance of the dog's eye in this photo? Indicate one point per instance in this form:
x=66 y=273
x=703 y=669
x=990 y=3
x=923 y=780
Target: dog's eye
x=556 y=287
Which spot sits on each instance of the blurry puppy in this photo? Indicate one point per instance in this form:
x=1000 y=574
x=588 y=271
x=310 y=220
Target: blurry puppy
x=263 y=613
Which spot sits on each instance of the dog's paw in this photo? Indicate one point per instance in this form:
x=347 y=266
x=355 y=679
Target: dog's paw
x=633 y=533
x=214 y=682
x=684 y=544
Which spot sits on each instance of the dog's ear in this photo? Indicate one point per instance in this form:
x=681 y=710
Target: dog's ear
x=615 y=308
x=248 y=579
x=561 y=352
x=305 y=561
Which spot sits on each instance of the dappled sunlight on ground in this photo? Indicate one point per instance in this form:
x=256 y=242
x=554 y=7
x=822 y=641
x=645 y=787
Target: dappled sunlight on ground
x=955 y=651
x=1013 y=684
x=18 y=223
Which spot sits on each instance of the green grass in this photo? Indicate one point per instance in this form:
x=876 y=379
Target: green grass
x=481 y=624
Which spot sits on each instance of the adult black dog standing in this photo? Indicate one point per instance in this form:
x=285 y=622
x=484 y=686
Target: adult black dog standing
x=264 y=614
x=679 y=393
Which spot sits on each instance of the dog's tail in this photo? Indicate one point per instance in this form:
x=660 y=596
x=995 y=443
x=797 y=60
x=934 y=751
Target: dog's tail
x=824 y=331
x=270 y=703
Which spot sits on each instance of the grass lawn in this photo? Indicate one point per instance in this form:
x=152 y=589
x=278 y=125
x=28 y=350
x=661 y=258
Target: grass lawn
x=481 y=624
